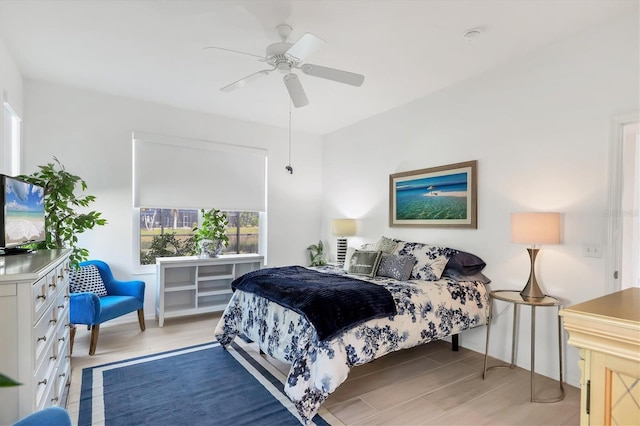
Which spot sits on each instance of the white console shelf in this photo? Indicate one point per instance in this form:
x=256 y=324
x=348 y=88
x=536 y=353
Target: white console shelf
x=34 y=330
x=191 y=285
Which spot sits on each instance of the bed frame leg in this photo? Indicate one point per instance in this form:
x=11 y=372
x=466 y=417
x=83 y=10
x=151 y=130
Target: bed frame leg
x=261 y=352
x=454 y=343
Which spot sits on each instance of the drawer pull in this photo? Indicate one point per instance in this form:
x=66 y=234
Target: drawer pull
x=54 y=399
x=61 y=276
x=61 y=339
x=54 y=285
x=42 y=382
x=41 y=296
x=43 y=338
x=62 y=375
x=53 y=321
x=60 y=306
x=53 y=358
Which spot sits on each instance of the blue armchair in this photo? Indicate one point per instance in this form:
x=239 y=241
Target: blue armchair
x=92 y=310
x=51 y=416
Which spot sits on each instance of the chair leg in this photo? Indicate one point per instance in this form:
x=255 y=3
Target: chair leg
x=141 y=319
x=95 y=330
x=72 y=337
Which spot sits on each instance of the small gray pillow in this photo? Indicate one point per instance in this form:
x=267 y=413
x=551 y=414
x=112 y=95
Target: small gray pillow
x=396 y=267
x=364 y=262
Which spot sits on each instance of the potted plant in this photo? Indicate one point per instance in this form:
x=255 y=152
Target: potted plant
x=63 y=223
x=211 y=237
x=316 y=255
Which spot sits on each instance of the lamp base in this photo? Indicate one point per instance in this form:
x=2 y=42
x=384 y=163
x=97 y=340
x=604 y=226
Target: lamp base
x=532 y=289
x=342 y=251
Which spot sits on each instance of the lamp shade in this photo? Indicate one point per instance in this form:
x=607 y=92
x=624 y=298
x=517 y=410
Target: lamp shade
x=343 y=227
x=535 y=228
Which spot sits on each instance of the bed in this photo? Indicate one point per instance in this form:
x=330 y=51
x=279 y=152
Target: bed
x=436 y=292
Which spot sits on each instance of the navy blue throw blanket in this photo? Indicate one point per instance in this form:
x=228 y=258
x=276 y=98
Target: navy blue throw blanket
x=332 y=303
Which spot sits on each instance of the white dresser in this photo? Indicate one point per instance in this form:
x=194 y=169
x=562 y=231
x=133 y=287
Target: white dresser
x=34 y=331
x=191 y=285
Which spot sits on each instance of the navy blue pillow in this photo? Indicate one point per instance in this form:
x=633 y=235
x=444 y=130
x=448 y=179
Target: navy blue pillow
x=465 y=263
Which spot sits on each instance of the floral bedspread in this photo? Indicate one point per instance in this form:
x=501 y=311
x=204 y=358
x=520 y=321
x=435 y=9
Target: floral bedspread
x=427 y=311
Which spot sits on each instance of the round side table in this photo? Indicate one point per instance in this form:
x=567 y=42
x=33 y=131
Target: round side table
x=516 y=299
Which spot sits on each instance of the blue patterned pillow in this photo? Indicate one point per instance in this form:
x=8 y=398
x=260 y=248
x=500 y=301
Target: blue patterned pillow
x=396 y=267
x=87 y=278
x=430 y=260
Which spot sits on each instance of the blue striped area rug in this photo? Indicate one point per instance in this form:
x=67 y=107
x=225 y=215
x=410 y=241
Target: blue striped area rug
x=198 y=385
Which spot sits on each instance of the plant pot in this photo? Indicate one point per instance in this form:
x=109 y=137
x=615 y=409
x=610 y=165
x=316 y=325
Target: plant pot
x=210 y=248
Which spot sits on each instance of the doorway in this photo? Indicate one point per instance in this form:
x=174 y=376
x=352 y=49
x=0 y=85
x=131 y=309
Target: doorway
x=623 y=269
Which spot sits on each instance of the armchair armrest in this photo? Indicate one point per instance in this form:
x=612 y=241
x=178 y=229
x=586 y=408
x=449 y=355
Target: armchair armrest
x=84 y=308
x=133 y=288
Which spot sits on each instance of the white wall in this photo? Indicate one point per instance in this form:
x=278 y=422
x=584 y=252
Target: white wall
x=539 y=128
x=11 y=92
x=90 y=133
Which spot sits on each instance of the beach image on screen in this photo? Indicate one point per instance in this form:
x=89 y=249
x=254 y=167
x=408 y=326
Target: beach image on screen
x=24 y=212
x=438 y=197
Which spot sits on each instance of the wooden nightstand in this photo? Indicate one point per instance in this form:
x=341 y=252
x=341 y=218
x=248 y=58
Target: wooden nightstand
x=516 y=299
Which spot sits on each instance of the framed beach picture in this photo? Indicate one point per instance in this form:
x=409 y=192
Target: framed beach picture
x=444 y=196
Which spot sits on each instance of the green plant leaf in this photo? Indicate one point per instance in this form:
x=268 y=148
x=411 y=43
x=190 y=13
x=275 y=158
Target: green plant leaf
x=7 y=381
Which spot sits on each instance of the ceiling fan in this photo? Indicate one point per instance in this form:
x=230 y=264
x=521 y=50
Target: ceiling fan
x=285 y=57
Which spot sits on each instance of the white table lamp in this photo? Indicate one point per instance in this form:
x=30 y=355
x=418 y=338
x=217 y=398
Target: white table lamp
x=534 y=228
x=343 y=228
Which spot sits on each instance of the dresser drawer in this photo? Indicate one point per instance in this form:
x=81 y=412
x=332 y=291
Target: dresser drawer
x=61 y=306
x=44 y=383
x=62 y=272
x=44 y=335
x=40 y=297
x=63 y=374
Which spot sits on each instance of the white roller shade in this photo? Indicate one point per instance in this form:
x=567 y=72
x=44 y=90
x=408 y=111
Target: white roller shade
x=174 y=172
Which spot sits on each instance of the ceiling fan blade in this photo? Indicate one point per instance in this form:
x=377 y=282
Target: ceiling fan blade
x=296 y=92
x=340 y=76
x=236 y=51
x=306 y=45
x=245 y=80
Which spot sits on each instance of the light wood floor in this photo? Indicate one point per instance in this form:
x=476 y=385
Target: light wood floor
x=425 y=385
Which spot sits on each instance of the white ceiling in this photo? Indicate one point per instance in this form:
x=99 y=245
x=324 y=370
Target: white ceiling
x=153 y=50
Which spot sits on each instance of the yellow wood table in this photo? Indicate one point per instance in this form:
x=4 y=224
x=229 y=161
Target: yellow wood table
x=606 y=332
x=516 y=299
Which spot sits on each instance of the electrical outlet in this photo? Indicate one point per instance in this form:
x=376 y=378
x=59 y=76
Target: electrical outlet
x=591 y=250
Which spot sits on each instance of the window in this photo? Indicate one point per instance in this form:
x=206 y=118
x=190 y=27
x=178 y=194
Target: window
x=11 y=150
x=171 y=173
x=169 y=232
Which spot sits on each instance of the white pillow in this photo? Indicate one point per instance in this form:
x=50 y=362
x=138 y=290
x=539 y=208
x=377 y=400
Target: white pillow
x=347 y=258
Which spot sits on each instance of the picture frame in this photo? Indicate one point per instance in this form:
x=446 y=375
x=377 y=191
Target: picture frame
x=443 y=196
